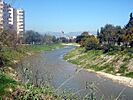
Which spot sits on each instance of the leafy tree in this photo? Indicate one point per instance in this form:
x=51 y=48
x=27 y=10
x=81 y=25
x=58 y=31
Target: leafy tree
x=111 y=35
x=85 y=34
x=32 y=37
x=88 y=41
x=128 y=36
x=54 y=39
x=81 y=38
x=130 y=23
x=107 y=34
x=48 y=39
x=8 y=38
x=63 y=39
x=91 y=42
x=118 y=37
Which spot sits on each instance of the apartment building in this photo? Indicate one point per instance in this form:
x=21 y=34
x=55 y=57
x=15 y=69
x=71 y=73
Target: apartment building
x=11 y=18
x=4 y=15
x=1 y=15
x=20 y=21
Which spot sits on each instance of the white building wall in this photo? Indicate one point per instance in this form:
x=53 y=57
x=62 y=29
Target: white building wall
x=11 y=18
x=4 y=15
x=1 y=14
x=20 y=21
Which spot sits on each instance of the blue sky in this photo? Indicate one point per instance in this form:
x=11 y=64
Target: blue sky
x=74 y=15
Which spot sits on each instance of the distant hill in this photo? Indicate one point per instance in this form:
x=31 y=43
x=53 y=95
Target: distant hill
x=71 y=34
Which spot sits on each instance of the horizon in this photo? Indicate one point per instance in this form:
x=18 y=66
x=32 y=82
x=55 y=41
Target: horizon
x=74 y=16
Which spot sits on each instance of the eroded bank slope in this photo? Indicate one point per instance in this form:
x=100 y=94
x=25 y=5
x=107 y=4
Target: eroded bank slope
x=117 y=66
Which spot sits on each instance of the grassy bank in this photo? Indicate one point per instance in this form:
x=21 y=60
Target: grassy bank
x=13 y=56
x=115 y=62
x=11 y=87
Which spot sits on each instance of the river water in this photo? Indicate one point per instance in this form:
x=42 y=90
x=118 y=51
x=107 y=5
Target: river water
x=49 y=67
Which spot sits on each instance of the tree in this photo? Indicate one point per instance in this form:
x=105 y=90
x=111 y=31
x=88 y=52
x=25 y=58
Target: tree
x=118 y=38
x=8 y=38
x=110 y=35
x=85 y=34
x=128 y=36
x=107 y=34
x=32 y=37
x=130 y=23
x=48 y=39
x=91 y=42
x=64 y=39
x=81 y=38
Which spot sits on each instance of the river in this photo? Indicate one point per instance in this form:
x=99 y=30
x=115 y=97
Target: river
x=51 y=68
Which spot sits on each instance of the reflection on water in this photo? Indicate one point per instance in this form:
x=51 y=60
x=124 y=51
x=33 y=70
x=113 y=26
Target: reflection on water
x=50 y=68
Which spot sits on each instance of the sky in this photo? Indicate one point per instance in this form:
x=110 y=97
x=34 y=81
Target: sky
x=74 y=15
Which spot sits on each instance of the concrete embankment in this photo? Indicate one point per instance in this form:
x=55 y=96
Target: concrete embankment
x=116 y=78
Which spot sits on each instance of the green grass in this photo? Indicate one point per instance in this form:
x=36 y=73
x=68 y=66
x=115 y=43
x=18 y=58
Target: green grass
x=89 y=59
x=44 y=47
x=21 y=91
x=6 y=82
x=23 y=50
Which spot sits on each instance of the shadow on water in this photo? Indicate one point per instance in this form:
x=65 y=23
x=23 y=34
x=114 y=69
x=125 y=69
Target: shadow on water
x=49 y=68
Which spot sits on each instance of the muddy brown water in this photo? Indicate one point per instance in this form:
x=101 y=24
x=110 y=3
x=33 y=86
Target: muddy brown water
x=50 y=68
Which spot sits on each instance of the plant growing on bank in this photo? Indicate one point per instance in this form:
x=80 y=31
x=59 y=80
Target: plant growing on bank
x=114 y=42
x=109 y=38
x=7 y=38
x=99 y=61
x=10 y=88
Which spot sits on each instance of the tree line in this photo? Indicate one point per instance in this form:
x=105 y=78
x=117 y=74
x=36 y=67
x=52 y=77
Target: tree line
x=10 y=39
x=32 y=37
x=109 y=37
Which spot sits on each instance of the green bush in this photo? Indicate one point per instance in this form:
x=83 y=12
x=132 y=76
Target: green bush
x=130 y=74
x=5 y=82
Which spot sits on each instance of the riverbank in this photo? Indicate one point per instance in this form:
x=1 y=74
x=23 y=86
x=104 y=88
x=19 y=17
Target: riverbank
x=14 y=56
x=117 y=66
x=10 y=86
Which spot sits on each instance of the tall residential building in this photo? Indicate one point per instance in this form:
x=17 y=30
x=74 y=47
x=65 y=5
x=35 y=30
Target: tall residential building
x=20 y=21
x=11 y=18
x=4 y=15
x=1 y=15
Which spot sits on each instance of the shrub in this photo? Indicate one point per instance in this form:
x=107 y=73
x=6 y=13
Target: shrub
x=92 y=43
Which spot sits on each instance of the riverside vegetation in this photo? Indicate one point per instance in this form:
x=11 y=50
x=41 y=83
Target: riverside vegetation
x=10 y=86
x=110 y=51
x=115 y=62
x=11 y=53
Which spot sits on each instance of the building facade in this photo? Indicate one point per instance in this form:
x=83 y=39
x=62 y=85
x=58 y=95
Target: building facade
x=11 y=18
x=20 y=21
x=1 y=15
x=4 y=15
